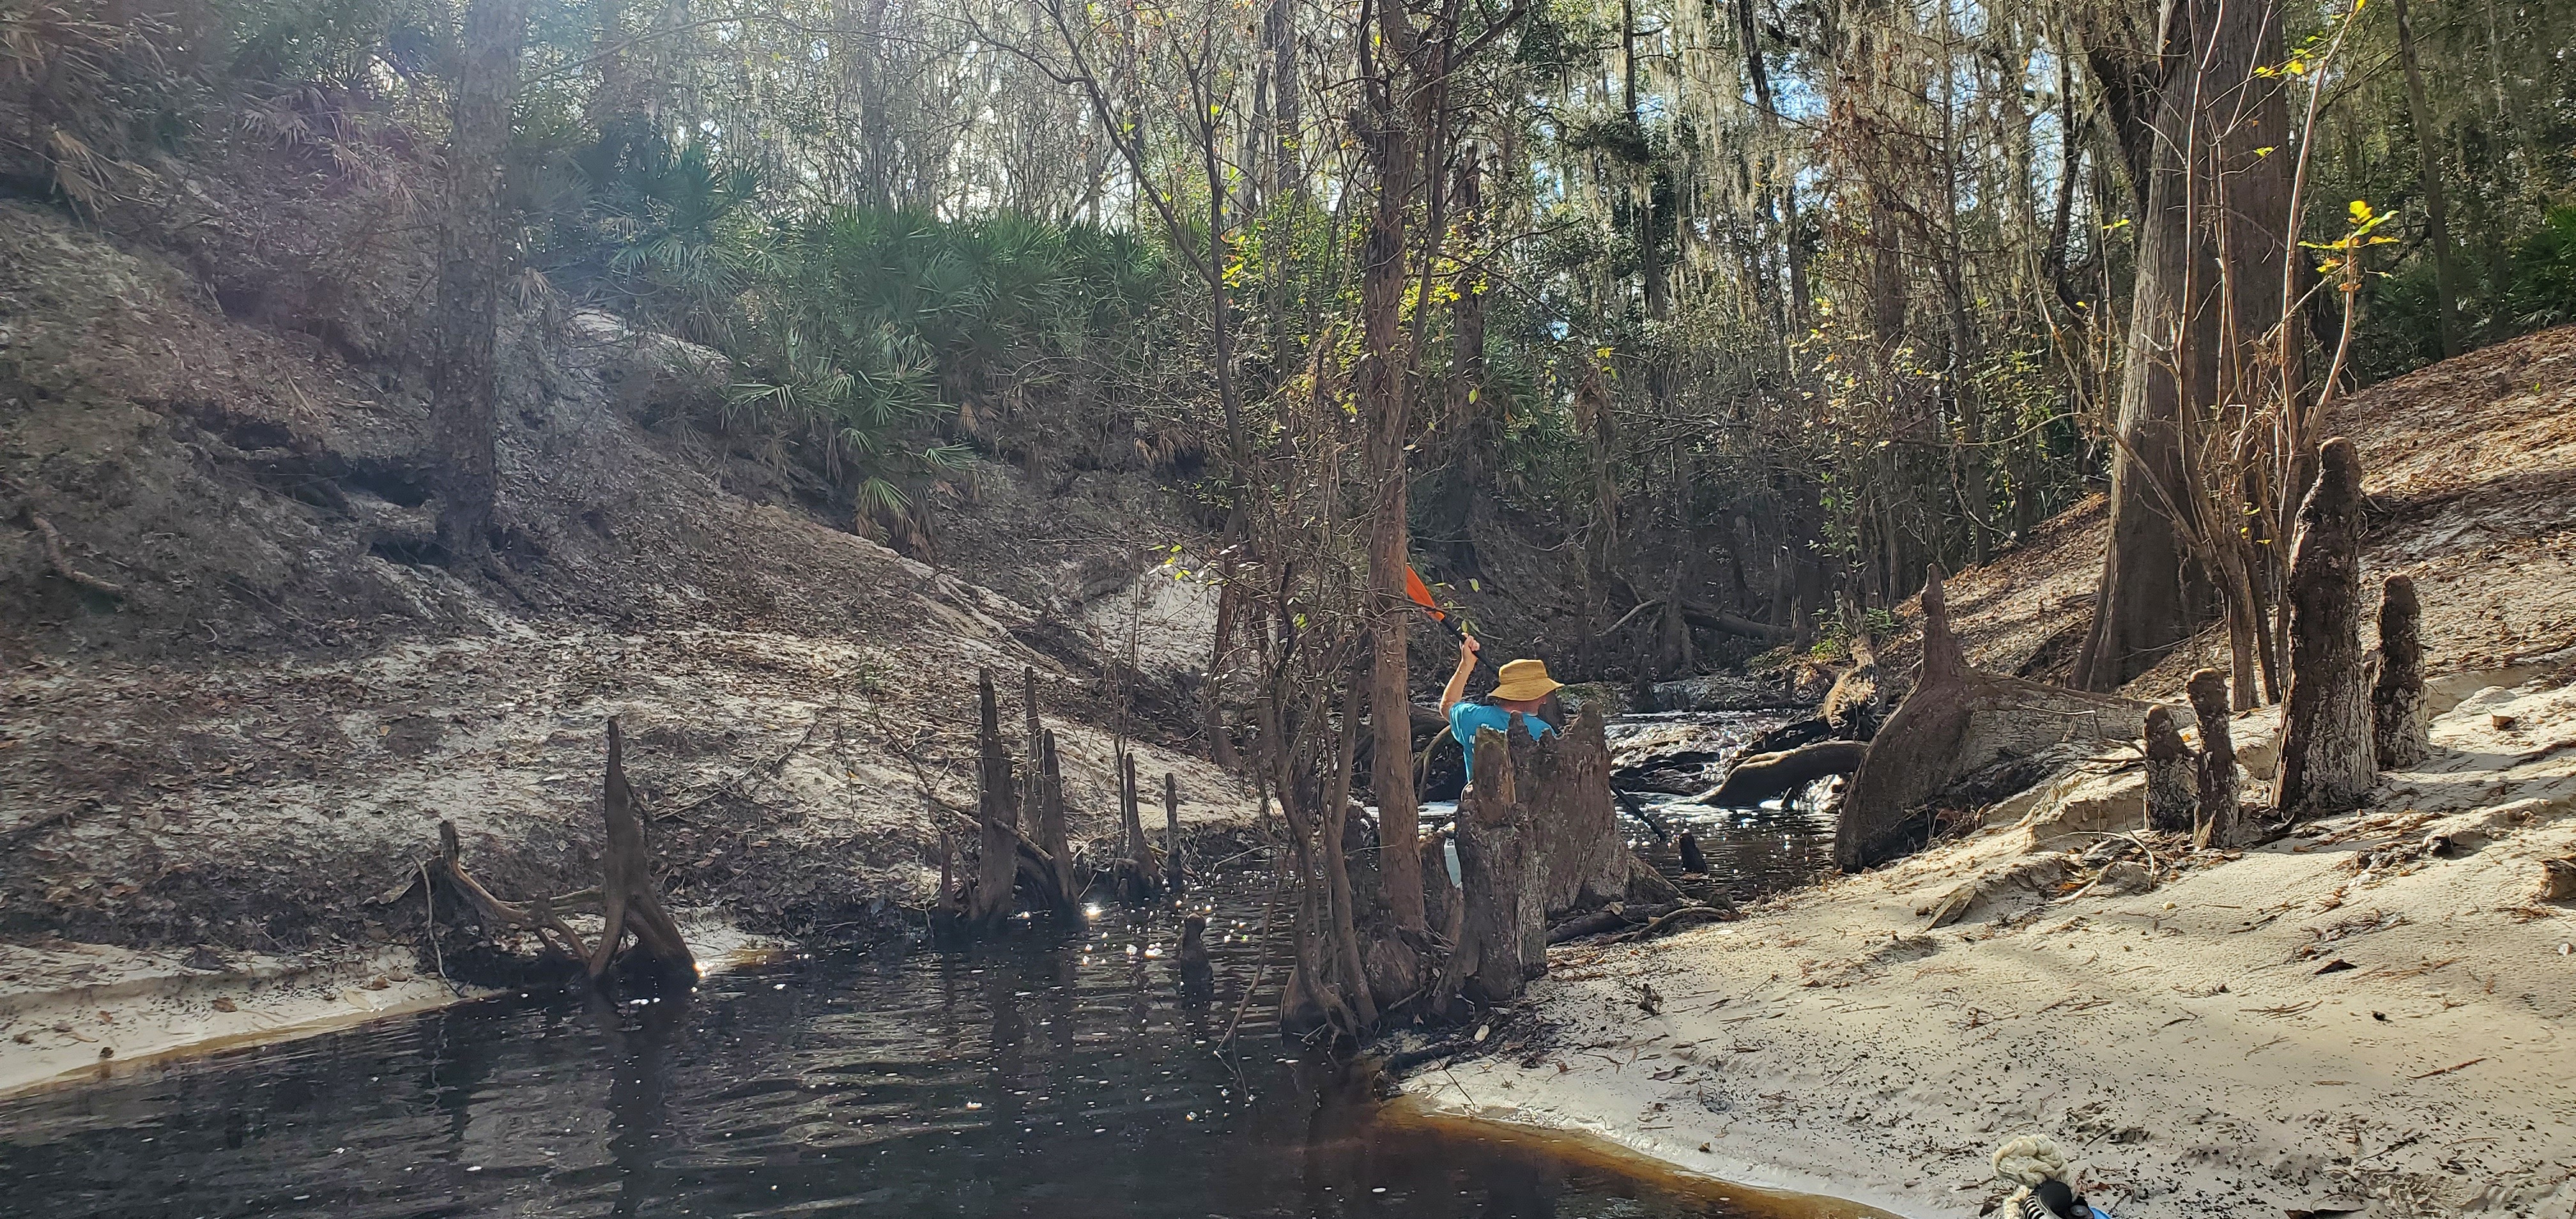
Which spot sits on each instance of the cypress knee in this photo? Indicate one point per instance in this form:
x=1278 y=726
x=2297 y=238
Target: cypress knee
x=2219 y=810
x=2172 y=787
x=2397 y=702
x=2328 y=763
x=1694 y=861
x=998 y=807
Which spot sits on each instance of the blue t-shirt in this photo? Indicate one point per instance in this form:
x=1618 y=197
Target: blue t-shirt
x=1467 y=717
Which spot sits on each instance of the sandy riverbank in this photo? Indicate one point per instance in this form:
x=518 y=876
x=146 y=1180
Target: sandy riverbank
x=2339 y=1019
x=74 y=1013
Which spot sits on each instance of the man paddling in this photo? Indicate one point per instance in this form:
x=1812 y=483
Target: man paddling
x=1522 y=690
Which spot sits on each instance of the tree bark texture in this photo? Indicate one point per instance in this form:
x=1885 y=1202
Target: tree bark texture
x=2173 y=784
x=1538 y=838
x=2220 y=812
x=2397 y=728
x=2210 y=262
x=2327 y=760
x=1957 y=720
x=1502 y=942
x=1392 y=153
x=464 y=366
x=1051 y=829
x=997 y=809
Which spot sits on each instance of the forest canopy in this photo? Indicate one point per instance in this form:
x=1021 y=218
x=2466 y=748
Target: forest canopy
x=1778 y=300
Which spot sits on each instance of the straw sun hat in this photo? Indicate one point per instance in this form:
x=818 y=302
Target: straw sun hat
x=1525 y=681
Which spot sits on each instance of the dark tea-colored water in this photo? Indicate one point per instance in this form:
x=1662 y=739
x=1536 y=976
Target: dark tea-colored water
x=1046 y=1074
x=1039 y=1076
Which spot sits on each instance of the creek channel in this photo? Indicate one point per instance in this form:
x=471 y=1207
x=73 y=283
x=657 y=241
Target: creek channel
x=1049 y=1074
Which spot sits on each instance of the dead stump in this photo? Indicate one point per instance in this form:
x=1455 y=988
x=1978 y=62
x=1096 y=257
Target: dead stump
x=2328 y=761
x=1955 y=721
x=2397 y=729
x=1502 y=939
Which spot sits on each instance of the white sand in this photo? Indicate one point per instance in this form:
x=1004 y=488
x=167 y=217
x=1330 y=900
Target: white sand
x=2181 y=1044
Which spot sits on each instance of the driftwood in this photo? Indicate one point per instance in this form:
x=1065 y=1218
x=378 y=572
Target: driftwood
x=1955 y=721
x=1646 y=919
x=2327 y=760
x=1710 y=619
x=1762 y=776
x=2218 y=817
x=2173 y=785
x=60 y=559
x=2397 y=727
x=997 y=810
x=538 y=917
x=629 y=899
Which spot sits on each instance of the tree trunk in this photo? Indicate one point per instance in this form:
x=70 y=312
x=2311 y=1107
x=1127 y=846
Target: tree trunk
x=464 y=368
x=2209 y=273
x=1392 y=153
x=1171 y=833
x=2173 y=787
x=2220 y=812
x=2327 y=759
x=2437 y=216
x=2397 y=700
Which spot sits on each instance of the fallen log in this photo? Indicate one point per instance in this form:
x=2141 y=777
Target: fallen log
x=1763 y=776
x=1707 y=618
x=1957 y=720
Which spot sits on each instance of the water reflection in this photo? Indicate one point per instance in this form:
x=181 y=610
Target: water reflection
x=1015 y=1080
